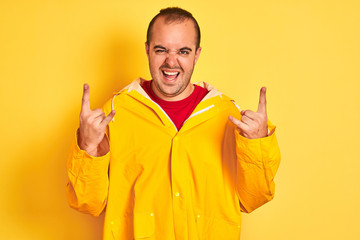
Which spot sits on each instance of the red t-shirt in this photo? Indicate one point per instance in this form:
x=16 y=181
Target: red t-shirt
x=178 y=111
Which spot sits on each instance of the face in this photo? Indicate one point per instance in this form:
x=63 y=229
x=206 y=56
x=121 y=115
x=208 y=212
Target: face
x=172 y=56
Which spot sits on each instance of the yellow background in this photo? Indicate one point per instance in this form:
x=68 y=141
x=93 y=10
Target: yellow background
x=305 y=51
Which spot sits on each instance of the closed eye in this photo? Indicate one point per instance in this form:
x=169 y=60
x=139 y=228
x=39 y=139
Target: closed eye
x=160 y=51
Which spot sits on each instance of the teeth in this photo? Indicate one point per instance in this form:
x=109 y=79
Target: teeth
x=170 y=73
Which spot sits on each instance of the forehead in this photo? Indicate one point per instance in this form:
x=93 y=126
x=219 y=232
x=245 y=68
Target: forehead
x=173 y=33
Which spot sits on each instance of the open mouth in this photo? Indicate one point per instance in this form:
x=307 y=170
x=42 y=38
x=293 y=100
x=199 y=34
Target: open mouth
x=170 y=75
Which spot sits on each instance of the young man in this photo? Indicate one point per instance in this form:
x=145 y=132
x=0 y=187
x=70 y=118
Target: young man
x=177 y=160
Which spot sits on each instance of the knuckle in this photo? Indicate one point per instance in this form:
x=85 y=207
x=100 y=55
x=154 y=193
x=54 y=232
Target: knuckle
x=83 y=117
x=261 y=117
x=88 y=121
x=258 y=120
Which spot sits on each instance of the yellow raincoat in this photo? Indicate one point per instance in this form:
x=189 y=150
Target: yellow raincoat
x=160 y=183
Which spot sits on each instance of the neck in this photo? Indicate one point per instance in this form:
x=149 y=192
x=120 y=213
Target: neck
x=171 y=98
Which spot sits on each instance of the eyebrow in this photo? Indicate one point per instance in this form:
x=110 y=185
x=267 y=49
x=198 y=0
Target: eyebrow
x=159 y=46
x=181 y=49
x=186 y=48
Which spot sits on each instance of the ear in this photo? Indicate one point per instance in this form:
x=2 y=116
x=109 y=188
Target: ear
x=147 y=49
x=197 y=54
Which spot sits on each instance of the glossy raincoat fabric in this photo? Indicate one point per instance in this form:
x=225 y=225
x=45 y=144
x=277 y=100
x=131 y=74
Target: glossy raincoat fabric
x=160 y=183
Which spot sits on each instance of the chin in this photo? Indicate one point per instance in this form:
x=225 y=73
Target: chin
x=170 y=91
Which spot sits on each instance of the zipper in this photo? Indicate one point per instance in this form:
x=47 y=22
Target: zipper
x=164 y=113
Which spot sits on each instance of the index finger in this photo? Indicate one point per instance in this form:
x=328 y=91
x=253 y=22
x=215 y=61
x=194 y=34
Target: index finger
x=108 y=118
x=85 y=106
x=262 y=101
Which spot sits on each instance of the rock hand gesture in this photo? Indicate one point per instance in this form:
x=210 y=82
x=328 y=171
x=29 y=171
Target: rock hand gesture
x=253 y=124
x=93 y=124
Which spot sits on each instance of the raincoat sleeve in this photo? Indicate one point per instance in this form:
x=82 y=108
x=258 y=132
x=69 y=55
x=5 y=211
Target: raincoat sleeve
x=257 y=163
x=87 y=187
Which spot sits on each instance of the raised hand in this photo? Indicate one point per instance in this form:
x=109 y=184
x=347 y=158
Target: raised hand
x=93 y=124
x=253 y=124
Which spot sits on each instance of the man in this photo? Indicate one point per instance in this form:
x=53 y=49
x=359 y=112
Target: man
x=170 y=159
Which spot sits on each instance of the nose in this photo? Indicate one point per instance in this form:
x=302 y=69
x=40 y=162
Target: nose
x=171 y=59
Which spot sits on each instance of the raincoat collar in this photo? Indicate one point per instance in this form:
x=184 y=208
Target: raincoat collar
x=206 y=109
